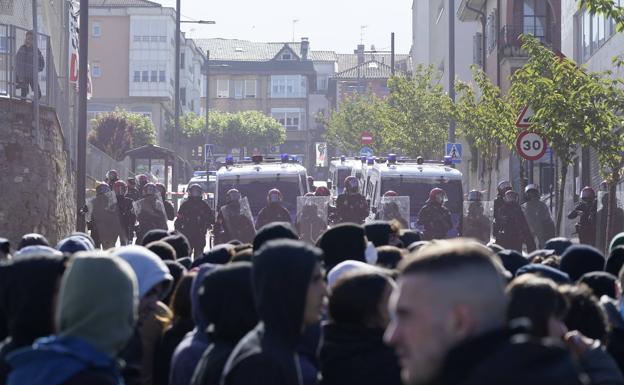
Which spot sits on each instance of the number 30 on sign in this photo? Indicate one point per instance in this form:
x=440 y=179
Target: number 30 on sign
x=530 y=146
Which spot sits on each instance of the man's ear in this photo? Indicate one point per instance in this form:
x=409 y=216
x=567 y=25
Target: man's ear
x=462 y=322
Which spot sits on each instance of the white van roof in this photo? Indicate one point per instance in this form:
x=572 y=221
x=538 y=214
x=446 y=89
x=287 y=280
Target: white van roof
x=261 y=170
x=426 y=171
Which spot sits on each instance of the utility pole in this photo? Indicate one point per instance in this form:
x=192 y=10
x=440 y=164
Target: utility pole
x=176 y=118
x=35 y=74
x=451 y=71
x=207 y=102
x=81 y=164
x=392 y=53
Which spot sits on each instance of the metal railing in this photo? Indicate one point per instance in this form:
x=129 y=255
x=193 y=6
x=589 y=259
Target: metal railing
x=509 y=35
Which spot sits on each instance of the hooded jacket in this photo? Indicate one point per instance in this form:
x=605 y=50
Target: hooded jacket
x=580 y=259
x=341 y=243
x=27 y=289
x=281 y=273
x=189 y=351
x=96 y=312
x=231 y=316
x=498 y=358
x=148 y=267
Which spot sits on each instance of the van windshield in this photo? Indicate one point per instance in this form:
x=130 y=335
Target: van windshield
x=341 y=175
x=418 y=191
x=256 y=191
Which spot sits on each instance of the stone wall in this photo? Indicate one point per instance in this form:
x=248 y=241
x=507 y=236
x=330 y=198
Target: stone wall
x=37 y=183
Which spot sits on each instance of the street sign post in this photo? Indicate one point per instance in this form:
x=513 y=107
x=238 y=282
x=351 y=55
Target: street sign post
x=530 y=146
x=454 y=150
x=524 y=119
x=366 y=138
x=207 y=152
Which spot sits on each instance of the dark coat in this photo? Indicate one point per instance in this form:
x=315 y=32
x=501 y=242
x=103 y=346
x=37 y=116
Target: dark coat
x=351 y=208
x=272 y=213
x=166 y=346
x=496 y=358
x=513 y=229
x=169 y=210
x=24 y=63
x=586 y=225
x=235 y=226
x=194 y=218
x=268 y=354
x=539 y=220
x=357 y=356
x=126 y=215
x=436 y=220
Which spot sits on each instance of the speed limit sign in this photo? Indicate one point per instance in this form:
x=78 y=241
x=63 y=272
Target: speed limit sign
x=530 y=146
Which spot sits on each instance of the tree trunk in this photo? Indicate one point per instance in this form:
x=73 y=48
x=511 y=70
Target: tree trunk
x=611 y=209
x=561 y=196
x=489 y=188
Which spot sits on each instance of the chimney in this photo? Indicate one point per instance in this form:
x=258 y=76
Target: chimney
x=360 y=53
x=305 y=48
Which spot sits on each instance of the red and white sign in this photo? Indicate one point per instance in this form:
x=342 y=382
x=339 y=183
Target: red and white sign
x=530 y=146
x=367 y=138
x=524 y=119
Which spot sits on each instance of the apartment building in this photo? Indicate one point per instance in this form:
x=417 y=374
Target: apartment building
x=132 y=58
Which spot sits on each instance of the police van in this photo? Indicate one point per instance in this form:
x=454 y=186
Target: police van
x=254 y=178
x=415 y=178
x=339 y=169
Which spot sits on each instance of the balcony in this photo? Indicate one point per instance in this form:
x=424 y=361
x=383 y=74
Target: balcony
x=509 y=41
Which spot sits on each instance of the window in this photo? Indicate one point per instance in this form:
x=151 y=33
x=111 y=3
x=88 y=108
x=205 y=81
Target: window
x=321 y=82
x=534 y=21
x=154 y=76
x=161 y=76
x=223 y=88
x=290 y=118
x=183 y=96
x=288 y=86
x=250 y=88
x=137 y=76
x=96 y=70
x=286 y=56
x=154 y=39
x=181 y=61
x=586 y=31
x=145 y=76
x=593 y=33
x=96 y=30
x=238 y=89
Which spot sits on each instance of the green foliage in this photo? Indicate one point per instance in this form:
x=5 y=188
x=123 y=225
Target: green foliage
x=607 y=8
x=234 y=130
x=421 y=113
x=119 y=131
x=356 y=114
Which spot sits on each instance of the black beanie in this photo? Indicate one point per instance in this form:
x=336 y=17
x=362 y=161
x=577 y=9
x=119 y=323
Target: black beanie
x=341 y=243
x=512 y=260
x=274 y=230
x=580 y=259
x=559 y=245
x=601 y=283
x=378 y=232
x=615 y=261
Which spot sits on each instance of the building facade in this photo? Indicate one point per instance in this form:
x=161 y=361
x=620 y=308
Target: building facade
x=132 y=59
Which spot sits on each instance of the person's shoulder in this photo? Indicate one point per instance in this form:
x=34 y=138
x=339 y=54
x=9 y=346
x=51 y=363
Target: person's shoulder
x=93 y=377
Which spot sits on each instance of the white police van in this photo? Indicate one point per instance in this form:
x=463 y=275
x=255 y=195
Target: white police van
x=339 y=169
x=254 y=178
x=415 y=178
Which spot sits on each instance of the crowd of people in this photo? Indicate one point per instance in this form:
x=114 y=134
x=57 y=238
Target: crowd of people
x=270 y=303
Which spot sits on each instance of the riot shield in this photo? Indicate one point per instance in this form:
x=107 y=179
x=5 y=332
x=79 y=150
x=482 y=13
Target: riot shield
x=105 y=218
x=395 y=208
x=239 y=221
x=312 y=217
x=150 y=213
x=477 y=220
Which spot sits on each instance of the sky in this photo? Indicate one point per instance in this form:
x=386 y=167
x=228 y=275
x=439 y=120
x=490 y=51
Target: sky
x=333 y=25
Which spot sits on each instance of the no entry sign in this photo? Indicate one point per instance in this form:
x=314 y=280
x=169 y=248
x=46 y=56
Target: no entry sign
x=530 y=146
x=367 y=138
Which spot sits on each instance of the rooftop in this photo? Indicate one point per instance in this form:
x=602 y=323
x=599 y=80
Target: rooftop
x=123 y=3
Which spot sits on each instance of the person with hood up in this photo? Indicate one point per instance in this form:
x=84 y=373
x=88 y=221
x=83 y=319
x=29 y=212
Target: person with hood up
x=435 y=217
x=195 y=217
x=343 y=242
x=353 y=350
x=95 y=317
x=289 y=291
x=537 y=215
x=189 y=351
x=580 y=259
x=232 y=223
x=274 y=211
x=154 y=282
x=127 y=218
x=512 y=229
x=28 y=287
x=586 y=210
x=231 y=317
x=351 y=206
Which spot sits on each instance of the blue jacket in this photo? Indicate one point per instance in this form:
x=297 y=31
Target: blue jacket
x=53 y=361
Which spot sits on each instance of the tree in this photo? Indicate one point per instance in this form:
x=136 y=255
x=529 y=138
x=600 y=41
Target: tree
x=119 y=131
x=485 y=121
x=563 y=98
x=357 y=114
x=607 y=8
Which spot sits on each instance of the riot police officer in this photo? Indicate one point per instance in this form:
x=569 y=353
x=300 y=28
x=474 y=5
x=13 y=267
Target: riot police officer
x=537 y=215
x=512 y=229
x=151 y=211
x=112 y=176
x=273 y=211
x=105 y=223
x=351 y=206
x=391 y=211
x=475 y=224
x=309 y=224
x=434 y=217
x=194 y=219
x=501 y=189
x=233 y=220
x=169 y=209
x=587 y=211
x=143 y=180
x=132 y=191
x=126 y=212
